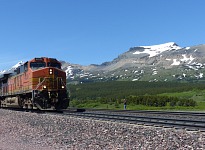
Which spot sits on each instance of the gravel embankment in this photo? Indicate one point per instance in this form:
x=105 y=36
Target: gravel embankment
x=31 y=131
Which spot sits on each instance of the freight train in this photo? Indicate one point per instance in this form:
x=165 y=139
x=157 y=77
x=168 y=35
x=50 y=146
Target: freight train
x=37 y=84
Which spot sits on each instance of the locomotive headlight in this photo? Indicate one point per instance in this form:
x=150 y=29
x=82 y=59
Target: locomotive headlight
x=44 y=86
x=50 y=71
x=62 y=86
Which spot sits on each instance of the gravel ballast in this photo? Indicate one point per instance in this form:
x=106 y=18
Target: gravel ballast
x=31 y=131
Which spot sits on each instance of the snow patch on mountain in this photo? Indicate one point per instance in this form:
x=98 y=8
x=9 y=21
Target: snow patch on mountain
x=187 y=59
x=199 y=76
x=17 y=65
x=184 y=75
x=69 y=71
x=175 y=62
x=2 y=72
x=154 y=72
x=135 y=79
x=12 y=68
x=157 y=49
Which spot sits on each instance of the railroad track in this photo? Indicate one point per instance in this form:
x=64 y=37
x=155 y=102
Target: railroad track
x=140 y=117
x=181 y=113
x=144 y=120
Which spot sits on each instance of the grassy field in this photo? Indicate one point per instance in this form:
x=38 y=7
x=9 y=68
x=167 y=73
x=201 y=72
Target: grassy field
x=196 y=95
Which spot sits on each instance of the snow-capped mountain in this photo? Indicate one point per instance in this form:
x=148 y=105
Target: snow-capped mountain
x=12 y=68
x=164 y=62
x=2 y=72
x=157 y=49
x=17 y=65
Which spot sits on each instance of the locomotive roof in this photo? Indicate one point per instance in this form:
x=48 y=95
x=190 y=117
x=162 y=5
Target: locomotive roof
x=12 y=71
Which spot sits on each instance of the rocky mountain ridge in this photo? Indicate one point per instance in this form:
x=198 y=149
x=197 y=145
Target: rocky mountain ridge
x=12 y=68
x=164 y=62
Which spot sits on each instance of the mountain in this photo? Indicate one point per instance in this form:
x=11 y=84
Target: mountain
x=11 y=70
x=164 y=62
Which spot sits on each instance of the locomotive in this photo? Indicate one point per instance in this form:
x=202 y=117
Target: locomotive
x=37 y=84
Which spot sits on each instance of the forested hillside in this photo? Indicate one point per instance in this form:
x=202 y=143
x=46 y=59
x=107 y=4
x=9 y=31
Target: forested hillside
x=122 y=89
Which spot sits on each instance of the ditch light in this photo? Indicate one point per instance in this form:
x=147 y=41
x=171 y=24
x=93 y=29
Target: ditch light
x=50 y=71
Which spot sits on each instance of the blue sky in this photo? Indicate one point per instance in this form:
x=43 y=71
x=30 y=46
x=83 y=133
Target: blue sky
x=94 y=31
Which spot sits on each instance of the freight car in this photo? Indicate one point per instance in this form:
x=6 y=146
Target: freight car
x=37 y=84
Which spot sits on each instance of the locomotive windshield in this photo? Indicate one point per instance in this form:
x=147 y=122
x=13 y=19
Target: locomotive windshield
x=37 y=65
x=56 y=65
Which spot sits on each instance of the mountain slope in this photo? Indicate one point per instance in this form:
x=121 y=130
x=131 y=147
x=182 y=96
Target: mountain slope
x=164 y=62
x=12 y=68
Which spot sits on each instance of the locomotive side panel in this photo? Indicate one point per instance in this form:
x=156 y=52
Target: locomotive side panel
x=19 y=83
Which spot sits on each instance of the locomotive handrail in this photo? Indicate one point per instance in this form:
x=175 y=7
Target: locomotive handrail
x=40 y=83
x=63 y=83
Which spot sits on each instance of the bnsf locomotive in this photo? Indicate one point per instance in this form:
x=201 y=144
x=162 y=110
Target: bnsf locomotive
x=37 y=84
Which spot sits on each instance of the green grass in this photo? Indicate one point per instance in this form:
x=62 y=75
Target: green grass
x=188 y=94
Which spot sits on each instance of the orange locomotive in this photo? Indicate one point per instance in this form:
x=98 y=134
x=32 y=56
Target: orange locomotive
x=37 y=84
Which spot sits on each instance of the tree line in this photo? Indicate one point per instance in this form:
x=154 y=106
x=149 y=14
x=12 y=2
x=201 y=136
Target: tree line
x=152 y=100
x=160 y=101
x=123 y=89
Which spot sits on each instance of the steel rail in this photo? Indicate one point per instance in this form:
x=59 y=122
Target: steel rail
x=152 y=112
x=156 y=121
x=171 y=112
